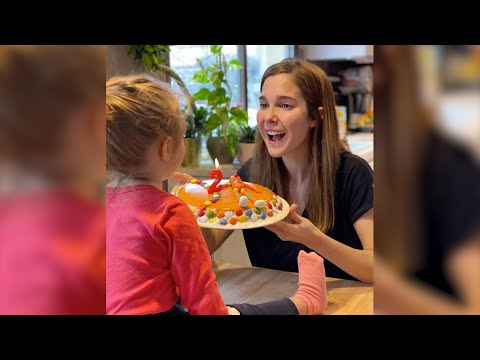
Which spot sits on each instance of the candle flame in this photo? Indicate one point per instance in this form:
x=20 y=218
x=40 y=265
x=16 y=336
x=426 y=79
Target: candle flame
x=217 y=165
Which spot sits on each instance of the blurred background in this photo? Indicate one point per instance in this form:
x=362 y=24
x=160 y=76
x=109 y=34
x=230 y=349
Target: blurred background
x=52 y=179
x=450 y=79
x=427 y=196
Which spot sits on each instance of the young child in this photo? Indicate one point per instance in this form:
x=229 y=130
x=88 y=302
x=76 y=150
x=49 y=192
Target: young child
x=52 y=174
x=157 y=258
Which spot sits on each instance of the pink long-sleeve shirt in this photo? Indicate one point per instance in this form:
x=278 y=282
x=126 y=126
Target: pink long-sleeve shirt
x=156 y=254
x=52 y=254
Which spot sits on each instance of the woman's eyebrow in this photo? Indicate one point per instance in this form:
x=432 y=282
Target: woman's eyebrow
x=261 y=97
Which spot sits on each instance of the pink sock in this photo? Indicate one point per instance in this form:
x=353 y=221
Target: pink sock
x=312 y=285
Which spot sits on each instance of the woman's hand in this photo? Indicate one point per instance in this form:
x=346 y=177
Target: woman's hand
x=182 y=178
x=295 y=228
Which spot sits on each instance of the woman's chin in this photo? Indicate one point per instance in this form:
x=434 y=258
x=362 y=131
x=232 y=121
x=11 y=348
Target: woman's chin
x=275 y=153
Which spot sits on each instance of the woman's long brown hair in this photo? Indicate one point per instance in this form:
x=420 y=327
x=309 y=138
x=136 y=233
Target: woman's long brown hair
x=401 y=132
x=324 y=142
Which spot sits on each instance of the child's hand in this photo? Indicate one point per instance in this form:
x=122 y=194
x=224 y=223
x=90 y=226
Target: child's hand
x=182 y=178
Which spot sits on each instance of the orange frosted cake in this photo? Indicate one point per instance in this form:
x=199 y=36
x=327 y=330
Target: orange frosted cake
x=234 y=204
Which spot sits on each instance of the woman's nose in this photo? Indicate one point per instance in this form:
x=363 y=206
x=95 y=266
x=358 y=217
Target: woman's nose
x=270 y=115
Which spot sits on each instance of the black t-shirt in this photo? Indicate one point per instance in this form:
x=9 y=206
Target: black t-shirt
x=451 y=197
x=353 y=197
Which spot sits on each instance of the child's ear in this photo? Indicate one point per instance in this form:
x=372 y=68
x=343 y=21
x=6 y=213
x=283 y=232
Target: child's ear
x=166 y=148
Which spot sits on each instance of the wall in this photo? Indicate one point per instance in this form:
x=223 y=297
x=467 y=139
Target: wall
x=120 y=63
x=233 y=251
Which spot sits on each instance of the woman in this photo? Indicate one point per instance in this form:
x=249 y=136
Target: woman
x=299 y=156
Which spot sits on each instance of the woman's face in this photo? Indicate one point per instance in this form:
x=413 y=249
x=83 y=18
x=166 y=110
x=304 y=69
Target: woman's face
x=283 y=118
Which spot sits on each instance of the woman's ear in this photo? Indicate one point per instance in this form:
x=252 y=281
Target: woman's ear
x=313 y=122
x=320 y=110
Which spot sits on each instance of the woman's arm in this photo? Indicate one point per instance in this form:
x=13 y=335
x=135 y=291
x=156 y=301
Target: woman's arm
x=358 y=263
x=397 y=294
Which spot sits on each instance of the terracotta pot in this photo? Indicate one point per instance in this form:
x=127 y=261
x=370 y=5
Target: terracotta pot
x=217 y=148
x=193 y=148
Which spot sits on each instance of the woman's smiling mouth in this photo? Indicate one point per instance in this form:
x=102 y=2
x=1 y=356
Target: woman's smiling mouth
x=275 y=136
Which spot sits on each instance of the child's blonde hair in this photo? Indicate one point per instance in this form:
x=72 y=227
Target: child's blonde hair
x=140 y=110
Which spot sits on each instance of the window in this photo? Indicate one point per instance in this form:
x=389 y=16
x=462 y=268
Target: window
x=183 y=59
x=258 y=58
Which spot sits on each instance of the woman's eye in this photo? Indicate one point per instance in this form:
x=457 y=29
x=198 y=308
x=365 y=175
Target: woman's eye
x=286 y=106
x=263 y=106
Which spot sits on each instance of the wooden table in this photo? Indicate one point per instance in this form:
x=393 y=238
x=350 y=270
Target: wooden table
x=239 y=284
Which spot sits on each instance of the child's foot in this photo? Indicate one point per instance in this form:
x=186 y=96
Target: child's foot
x=312 y=285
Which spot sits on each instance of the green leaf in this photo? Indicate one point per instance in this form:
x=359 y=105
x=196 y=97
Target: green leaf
x=235 y=64
x=201 y=77
x=239 y=116
x=217 y=78
x=200 y=118
x=147 y=60
x=217 y=97
x=164 y=48
x=201 y=94
x=241 y=121
x=246 y=134
x=155 y=62
x=201 y=113
x=221 y=92
x=213 y=122
x=215 y=49
x=232 y=141
x=239 y=112
x=223 y=114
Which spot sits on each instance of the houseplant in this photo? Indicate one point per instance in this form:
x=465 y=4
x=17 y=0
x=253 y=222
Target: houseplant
x=246 y=142
x=155 y=59
x=223 y=119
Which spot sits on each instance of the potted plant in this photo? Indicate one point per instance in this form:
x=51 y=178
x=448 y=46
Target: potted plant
x=155 y=58
x=223 y=119
x=246 y=143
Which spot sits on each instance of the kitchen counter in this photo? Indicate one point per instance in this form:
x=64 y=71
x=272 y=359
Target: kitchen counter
x=361 y=144
x=240 y=284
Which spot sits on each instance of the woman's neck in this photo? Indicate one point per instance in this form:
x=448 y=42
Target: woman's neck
x=298 y=166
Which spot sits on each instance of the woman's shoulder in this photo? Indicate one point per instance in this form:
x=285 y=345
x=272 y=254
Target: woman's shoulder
x=244 y=171
x=449 y=158
x=351 y=163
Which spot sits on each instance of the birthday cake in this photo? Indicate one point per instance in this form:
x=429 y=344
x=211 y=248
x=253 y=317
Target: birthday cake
x=232 y=204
